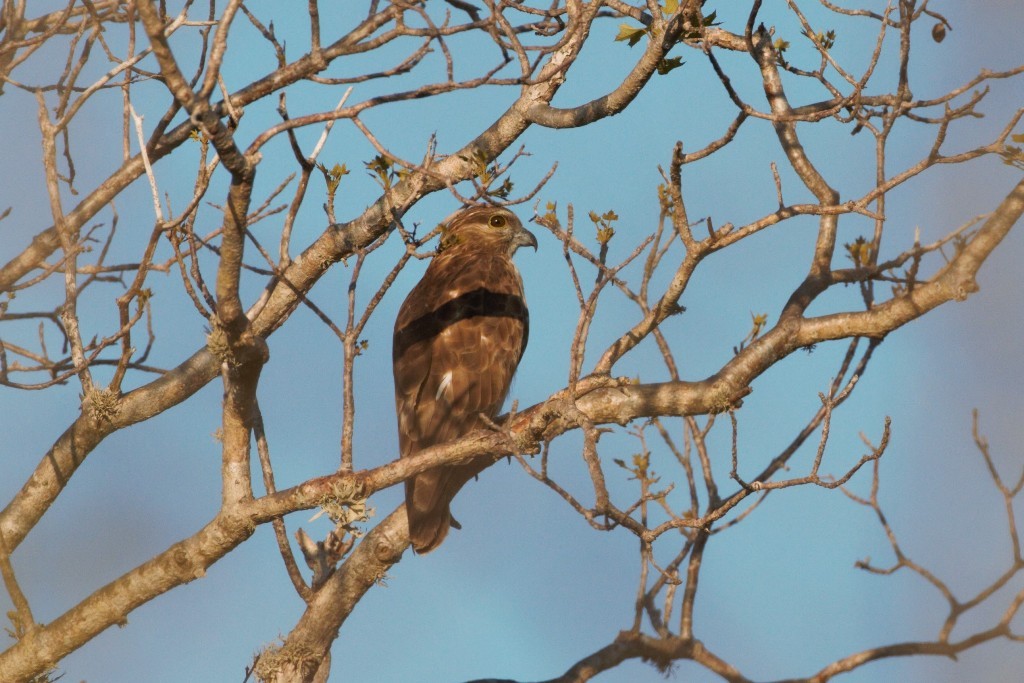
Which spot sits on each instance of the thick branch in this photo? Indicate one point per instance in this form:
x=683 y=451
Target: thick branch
x=607 y=105
x=181 y=563
x=309 y=642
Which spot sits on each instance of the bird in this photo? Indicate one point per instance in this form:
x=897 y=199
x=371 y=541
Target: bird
x=458 y=339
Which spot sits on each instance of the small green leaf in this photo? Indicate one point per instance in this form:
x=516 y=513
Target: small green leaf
x=630 y=34
x=603 y=223
x=381 y=169
x=1013 y=156
x=333 y=176
x=666 y=65
x=759 y=320
x=665 y=199
x=550 y=218
x=859 y=251
x=671 y=6
x=503 y=190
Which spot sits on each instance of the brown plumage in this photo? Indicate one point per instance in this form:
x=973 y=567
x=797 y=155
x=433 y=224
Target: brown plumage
x=458 y=339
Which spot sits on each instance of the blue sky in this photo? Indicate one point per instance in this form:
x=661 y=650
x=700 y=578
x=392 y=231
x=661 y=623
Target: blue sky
x=527 y=587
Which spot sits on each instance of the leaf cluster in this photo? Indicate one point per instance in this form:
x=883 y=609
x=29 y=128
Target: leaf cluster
x=603 y=224
x=384 y=172
x=1012 y=155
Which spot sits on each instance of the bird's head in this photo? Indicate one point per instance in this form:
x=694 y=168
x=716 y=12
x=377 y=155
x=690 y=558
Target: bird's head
x=487 y=226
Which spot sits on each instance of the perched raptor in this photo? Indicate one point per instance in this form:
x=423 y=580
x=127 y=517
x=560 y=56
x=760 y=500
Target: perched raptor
x=458 y=339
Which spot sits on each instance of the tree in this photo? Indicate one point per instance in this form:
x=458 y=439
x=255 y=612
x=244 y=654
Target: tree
x=179 y=223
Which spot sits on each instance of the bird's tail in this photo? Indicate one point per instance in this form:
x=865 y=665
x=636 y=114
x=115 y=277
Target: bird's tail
x=429 y=516
x=428 y=529
x=427 y=499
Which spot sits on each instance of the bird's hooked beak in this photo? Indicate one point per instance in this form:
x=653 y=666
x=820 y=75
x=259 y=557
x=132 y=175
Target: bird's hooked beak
x=523 y=238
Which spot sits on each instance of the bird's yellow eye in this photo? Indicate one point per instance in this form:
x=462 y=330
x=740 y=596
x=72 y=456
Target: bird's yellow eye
x=497 y=221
